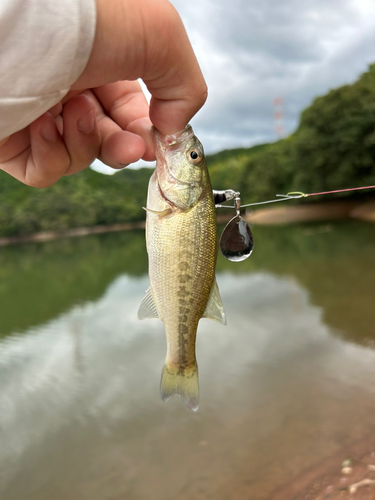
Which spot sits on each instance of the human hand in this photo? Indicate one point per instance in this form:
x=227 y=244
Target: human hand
x=105 y=114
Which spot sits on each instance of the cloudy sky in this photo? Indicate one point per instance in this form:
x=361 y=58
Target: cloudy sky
x=253 y=51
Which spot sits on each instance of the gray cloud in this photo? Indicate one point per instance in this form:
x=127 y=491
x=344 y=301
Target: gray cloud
x=253 y=51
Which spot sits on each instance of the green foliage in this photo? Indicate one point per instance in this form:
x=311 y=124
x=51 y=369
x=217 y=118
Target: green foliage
x=337 y=136
x=333 y=148
x=226 y=168
x=89 y=198
x=85 y=199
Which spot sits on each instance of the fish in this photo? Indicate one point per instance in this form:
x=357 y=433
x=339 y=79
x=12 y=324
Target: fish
x=182 y=246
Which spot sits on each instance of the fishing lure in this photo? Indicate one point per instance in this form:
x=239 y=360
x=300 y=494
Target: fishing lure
x=236 y=241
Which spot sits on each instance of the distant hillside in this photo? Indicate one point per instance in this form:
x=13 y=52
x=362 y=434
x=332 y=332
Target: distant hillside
x=84 y=199
x=227 y=167
x=332 y=148
x=90 y=198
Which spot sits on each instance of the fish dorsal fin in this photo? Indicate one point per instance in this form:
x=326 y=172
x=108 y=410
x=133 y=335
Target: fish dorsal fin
x=147 y=309
x=214 y=308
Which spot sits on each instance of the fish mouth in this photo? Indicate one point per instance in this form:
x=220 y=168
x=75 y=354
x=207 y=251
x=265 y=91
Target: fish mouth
x=173 y=142
x=167 y=146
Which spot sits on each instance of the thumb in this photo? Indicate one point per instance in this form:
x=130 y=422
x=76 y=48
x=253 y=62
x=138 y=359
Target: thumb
x=174 y=78
x=146 y=39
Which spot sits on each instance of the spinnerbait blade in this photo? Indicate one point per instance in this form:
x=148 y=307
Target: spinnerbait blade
x=237 y=242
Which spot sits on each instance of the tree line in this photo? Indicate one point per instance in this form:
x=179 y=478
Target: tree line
x=332 y=148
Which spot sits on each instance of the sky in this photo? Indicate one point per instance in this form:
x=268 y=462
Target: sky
x=252 y=52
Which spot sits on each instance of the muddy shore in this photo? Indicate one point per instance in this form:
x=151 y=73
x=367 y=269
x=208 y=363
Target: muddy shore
x=314 y=212
x=70 y=233
x=348 y=474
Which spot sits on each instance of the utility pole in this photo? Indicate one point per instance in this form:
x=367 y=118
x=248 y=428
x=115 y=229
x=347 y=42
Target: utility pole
x=278 y=115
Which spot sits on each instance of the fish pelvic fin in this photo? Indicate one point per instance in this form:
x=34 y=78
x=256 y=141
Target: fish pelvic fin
x=180 y=381
x=147 y=309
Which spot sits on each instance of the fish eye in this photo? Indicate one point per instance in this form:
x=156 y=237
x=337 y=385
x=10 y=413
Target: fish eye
x=194 y=156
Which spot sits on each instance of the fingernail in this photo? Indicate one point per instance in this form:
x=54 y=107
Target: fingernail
x=123 y=165
x=86 y=123
x=49 y=130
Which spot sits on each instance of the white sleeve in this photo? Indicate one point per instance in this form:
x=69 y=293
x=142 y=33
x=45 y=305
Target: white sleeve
x=44 y=47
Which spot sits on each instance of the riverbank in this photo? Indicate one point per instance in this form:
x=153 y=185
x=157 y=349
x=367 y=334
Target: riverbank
x=70 y=233
x=348 y=474
x=315 y=212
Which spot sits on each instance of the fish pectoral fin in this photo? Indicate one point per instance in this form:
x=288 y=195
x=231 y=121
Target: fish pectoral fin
x=147 y=309
x=214 y=308
x=161 y=213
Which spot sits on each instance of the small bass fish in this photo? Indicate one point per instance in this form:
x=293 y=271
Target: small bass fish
x=182 y=245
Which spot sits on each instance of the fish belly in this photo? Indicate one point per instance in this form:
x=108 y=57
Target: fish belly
x=182 y=249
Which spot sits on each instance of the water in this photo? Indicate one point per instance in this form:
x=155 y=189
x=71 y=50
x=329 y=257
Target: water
x=289 y=381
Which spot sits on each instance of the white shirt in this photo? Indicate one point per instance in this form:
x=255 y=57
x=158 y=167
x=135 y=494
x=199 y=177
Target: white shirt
x=44 y=47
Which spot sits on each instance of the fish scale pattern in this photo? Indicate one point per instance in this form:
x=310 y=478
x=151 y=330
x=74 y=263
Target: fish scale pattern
x=182 y=250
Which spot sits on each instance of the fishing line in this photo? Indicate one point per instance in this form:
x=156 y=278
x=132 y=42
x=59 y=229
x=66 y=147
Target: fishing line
x=236 y=241
x=294 y=195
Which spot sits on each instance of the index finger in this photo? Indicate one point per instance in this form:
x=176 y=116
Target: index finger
x=126 y=104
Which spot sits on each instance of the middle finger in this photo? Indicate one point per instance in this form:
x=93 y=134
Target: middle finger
x=118 y=147
x=81 y=133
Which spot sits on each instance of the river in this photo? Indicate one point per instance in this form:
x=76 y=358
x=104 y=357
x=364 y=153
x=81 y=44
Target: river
x=287 y=383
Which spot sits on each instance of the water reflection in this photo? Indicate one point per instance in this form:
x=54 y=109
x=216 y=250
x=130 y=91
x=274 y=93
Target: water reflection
x=281 y=388
x=40 y=281
x=334 y=263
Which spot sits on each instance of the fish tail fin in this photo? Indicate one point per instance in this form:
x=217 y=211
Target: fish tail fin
x=182 y=382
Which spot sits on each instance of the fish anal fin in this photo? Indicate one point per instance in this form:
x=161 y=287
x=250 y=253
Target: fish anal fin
x=147 y=309
x=184 y=383
x=214 y=308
